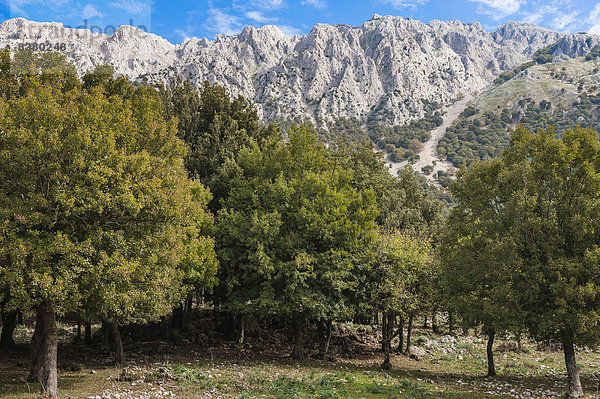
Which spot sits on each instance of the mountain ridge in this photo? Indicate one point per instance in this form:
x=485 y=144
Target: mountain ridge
x=385 y=69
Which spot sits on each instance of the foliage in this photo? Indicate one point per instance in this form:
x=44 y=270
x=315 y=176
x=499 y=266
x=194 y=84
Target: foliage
x=98 y=213
x=292 y=229
x=476 y=256
x=594 y=53
x=485 y=137
x=523 y=241
x=345 y=129
x=541 y=56
x=401 y=142
x=551 y=191
x=404 y=204
x=404 y=270
x=215 y=128
x=505 y=76
x=404 y=141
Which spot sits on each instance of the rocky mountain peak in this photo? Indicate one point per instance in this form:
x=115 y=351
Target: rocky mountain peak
x=386 y=69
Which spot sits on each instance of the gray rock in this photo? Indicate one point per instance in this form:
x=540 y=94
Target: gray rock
x=383 y=69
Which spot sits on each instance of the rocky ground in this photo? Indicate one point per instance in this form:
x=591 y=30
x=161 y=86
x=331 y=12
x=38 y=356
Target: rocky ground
x=203 y=364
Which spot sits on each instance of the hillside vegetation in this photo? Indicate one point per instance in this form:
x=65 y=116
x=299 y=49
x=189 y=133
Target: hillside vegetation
x=564 y=95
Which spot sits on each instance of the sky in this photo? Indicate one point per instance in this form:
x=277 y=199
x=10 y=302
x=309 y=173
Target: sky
x=176 y=20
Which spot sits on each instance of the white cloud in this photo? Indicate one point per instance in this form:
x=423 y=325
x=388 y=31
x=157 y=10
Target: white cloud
x=90 y=11
x=594 y=20
x=562 y=20
x=258 y=17
x=320 y=4
x=561 y=15
x=268 y=4
x=132 y=6
x=405 y=3
x=594 y=14
x=534 y=18
x=540 y=14
x=498 y=9
x=289 y=30
x=221 y=22
x=182 y=34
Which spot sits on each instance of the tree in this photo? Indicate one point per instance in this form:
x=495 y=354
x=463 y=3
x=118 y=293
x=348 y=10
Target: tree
x=291 y=231
x=199 y=271
x=476 y=255
x=554 y=196
x=215 y=128
x=97 y=210
x=404 y=266
x=545 y=193
x=403 y=205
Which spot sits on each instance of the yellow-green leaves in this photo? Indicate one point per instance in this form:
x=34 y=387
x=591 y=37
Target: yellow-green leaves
x=99 y=215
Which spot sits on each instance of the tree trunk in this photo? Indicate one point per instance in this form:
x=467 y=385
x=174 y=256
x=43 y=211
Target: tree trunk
x=434 y=326
x=401 y=335
x=116 y=334
x=383 y=330
x=45 y=345
x=490 y=353
x=386 y=335
x=88 y=333
x=200 y=299
x=163 y=328
x=177 y=319
x=519 y=345
x=324 y=331
x=298 y=351
x=78 y=336
x=575 y=389
x=9 y=322
x=186 y=314
x=35 y=373
x=425 y=321
x=106 y=336
x=408 y=334
x=242 y=330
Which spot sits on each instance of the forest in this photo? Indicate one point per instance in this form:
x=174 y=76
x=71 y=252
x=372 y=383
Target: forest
x=128 y=208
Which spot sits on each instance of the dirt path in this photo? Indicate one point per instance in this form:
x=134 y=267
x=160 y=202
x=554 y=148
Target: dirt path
x=428 y=154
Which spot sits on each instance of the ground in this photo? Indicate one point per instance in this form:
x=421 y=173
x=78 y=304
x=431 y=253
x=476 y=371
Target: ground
x=446 y=367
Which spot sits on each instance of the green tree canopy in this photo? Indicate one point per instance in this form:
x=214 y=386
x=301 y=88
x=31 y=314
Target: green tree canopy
x=403 y=273
x=543 y=200
x=215 y=127
x=98 y=214
x=292 y=230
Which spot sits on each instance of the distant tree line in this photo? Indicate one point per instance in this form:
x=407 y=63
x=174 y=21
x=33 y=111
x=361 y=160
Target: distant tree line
x=400 y=142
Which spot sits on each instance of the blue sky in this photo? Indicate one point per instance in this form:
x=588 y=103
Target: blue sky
x=176 y=20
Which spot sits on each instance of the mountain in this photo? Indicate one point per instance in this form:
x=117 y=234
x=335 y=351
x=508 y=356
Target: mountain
x=387 y=69
x=563 y=92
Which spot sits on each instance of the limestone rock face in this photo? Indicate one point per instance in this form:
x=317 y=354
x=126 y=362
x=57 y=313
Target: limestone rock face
x=384 y=69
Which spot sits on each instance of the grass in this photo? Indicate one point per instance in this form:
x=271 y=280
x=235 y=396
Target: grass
x=448 y=369
x=542 y=86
